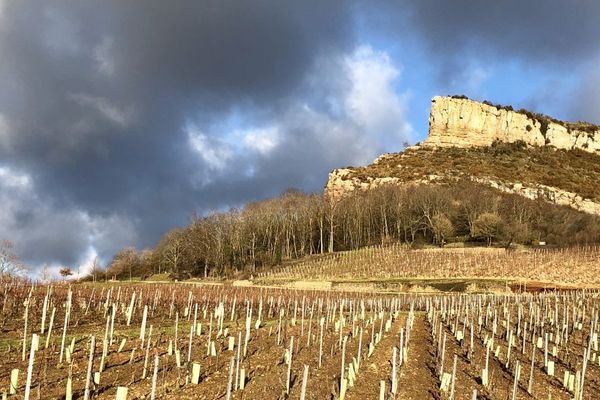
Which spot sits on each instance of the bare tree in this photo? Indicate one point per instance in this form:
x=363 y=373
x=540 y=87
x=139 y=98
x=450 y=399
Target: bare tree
x=488 y=226
x=172 y=250
x=295 y=224
x=442 y=228
x=45 y=274
x=96 y=270
x=473 y=201
x=125 y=261
x=10 y=264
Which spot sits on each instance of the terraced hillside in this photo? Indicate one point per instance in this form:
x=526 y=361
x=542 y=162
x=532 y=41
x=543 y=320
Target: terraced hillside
x=400 y=268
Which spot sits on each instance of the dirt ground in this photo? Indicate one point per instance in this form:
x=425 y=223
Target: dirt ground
x=282 y=320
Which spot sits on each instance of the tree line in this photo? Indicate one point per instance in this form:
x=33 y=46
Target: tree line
x=296 y=224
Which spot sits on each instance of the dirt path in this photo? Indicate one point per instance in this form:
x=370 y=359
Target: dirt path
x=377 y=367
x=417 y=376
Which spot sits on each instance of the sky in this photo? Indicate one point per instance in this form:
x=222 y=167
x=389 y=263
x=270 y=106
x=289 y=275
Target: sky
x=121 y=119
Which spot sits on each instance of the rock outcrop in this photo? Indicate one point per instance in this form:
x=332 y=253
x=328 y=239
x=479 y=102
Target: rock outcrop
x=460 y=122
x=341 y=182
x=467 y=124
x=548 y=193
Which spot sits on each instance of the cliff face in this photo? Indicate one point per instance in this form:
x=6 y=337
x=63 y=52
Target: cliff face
x=466 y=123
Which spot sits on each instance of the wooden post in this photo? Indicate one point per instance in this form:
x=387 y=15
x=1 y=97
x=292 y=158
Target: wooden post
x=321 y=341
x=394 y=382
x=289 y=369
x=147 y=355
x=344 y=342
x=154 y=377
x=86 y=393
x=441 y=373
x=485 y=375
x=453 y=378
x=195 y=373
x=586 y=355
x=34 y=340
x=14 y=381
x=44 y=311
x=189 y=356
x=401 y=347
x=359 y=352
x=546 y=350
x=26 y=317
x=516 y=381
x=130 y=309
x=530 y=384
x=121 y=393
x=104 y=345
x=242 y=378
x=66 y=324
x=304 y=383
x=509 y=350
x=230 y=381
x=237 y=361
x=112 y=322
x=143 y=326
x=50 y=327
x=69 y=389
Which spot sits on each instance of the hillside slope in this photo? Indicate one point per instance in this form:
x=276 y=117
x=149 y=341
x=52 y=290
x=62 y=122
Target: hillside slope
x=399 y=267
x=565 y=176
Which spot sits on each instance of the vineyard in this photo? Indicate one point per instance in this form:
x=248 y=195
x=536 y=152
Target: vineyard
x=222 y=342
x=575 y=267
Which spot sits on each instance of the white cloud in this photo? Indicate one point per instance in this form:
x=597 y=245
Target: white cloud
x=352 y=112
x=218 y=151
x=262 y=140
x=43 y=233
x=11 y=179
x=87 y=261
x=372 y=101
x=213 y=152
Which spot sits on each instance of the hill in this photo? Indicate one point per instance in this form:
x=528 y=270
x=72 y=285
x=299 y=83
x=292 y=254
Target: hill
x=563 y=168
x=397 y=267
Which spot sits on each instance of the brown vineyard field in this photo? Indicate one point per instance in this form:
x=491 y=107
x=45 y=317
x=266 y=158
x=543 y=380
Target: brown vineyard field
x=184 y=341
x=533 y=268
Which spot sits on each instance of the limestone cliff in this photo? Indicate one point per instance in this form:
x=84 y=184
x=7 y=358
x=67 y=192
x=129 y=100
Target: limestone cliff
x=518 y=152
x=457 y=121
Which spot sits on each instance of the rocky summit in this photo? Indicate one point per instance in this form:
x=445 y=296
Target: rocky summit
x=461 y=122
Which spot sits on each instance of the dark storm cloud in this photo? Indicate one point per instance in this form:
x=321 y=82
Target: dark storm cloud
x=118 y=119
x=555 y=31
x=559 y=37
x=94 y=96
